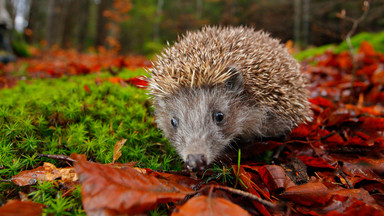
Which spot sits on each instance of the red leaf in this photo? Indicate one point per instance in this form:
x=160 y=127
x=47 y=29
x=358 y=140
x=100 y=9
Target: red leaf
x=359 y=194
x=370 y=123
x=138 y=82
x=367 y=49
x=356 y=207
x=204 y=205
x=19 y=208
x=107 y=190
x=253 y=188
x=315 y=162
x=357 y=141
x=354 y=202
x=320 y=101
x=86 y=88
x=301 y=131
x=334 y=140
x=115 y=80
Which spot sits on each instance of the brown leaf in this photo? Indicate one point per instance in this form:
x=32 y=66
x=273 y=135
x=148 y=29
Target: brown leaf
x=308 y=194
x=47 y=172
x=355 y=207
x=274 y=178
x=359 y=194
x=108 y=190
x=19 y=208
x=204 y=205
x=180 y=179
x=117 y=148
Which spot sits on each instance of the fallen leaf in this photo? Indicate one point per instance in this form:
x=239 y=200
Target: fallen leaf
x=315 y=162
x=274 y=178
x=204 y=205
x=21 y=208
x=117 y=149
x=139 y=82
x=113 y=191
x=309 y=194
x=248 y=185
x=47 y=172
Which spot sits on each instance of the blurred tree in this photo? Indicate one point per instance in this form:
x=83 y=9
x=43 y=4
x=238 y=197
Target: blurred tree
x=159 y=11
x=102 y=21
x=151 y=23
x=36 y=29
x=83 y=21
x=54 y=21
x=71 y=10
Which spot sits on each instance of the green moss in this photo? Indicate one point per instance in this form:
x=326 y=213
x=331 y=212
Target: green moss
x=57 y=116
x=375 y=39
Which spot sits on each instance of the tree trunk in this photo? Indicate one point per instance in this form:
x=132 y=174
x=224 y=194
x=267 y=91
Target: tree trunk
x=54 y=21
x=306 y=20
x=102 y=21
x=70 y=13
x=159 y=11
x=37 y=21
x=199 y=8
x=297 y=24
x=83 y=24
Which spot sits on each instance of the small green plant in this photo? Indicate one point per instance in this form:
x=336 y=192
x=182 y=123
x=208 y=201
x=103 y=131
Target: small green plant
x=224 y=174
x=237 y=176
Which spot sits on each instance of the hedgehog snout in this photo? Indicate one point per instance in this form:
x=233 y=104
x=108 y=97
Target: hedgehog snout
x=196 y=162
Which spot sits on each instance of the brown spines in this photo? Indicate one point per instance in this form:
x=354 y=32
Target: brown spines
x=272 y=76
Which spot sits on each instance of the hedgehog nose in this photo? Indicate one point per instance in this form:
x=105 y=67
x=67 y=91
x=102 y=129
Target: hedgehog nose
x=196 y=162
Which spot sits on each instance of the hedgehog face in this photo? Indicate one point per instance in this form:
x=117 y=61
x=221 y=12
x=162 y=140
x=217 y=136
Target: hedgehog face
x=202 y=122
x=196 y=122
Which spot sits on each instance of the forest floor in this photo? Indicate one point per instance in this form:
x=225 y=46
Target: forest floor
x=87 y=144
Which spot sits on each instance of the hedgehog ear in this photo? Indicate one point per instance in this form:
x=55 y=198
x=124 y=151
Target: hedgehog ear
x=235 y=82
x=160 y=102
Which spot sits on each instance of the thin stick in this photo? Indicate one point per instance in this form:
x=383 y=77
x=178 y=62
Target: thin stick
x=57 y=157
x=346 y=180
x=248 y=195
x=355 y=24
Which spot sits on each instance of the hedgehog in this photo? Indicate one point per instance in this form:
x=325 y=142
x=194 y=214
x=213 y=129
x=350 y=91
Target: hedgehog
x=223 y=85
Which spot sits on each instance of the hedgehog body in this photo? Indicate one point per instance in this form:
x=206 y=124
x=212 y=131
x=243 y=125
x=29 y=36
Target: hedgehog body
x=223 y=84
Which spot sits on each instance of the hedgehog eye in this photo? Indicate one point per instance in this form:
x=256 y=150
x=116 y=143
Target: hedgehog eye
x=174 y=122
x=218 y=116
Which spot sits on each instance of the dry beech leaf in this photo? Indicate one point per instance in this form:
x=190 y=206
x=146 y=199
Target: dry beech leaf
x=19 y=208
x=356 y=207
x=47 y=172
x=204 y=205
x=274 y=178
x=117 y=149
x=112 y=191
x=308 y=194
x=359 y=194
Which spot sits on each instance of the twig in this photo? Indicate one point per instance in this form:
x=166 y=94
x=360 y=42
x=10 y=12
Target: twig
x=355 y=24
x=247 y=195
x=57 y=157
x=350 y=186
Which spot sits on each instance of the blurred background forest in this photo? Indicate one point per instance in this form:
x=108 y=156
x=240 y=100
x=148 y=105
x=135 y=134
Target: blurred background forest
x=144 y=26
